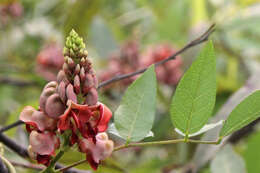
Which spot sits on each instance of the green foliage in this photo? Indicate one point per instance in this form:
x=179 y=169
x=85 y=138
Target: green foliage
x=252 y=153
x=247 y=111
x=135 y=115
x=227 y=161
x=194 y=98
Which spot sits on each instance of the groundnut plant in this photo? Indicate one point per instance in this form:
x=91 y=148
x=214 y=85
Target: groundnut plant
x=70 y=114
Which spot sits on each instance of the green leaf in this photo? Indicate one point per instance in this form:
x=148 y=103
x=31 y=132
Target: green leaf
x=195 y=95
x=227 y=161
x=247 y=111
x=112 y=131
x=135 y=115
x=252 y=153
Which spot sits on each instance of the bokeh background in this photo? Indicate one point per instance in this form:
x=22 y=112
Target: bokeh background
x=123 y=36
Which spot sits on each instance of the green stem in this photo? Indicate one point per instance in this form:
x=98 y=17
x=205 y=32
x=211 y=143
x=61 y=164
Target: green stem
x=70 y=166
x=148 y=143
x=165 y=142
x=144 y=144
x=50 y=168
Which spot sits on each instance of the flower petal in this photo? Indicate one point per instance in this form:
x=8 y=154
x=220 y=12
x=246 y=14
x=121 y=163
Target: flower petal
x=43 y=143
x=37 y=119
x=106 y=115
x=43 y=159
x=91 y=161
x=64 y=120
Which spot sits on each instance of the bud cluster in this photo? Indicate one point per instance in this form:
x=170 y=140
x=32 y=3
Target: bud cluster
x=129 y=59
x=70 y=104
x=77 y=72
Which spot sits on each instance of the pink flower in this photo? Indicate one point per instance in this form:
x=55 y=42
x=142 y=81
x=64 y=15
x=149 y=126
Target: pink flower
x=43 y=146
x=37 y=120
x=95 y=152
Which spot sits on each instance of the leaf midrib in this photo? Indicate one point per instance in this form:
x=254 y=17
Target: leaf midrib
x=136 y=113
x=192 y=107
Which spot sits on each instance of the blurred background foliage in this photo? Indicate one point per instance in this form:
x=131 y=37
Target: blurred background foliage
x=32 y=35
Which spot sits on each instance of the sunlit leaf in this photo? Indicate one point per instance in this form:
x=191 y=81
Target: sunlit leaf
x=194 y=98
x=252 y=153
x=113 y=131
x=247 y=111
x=135 y=115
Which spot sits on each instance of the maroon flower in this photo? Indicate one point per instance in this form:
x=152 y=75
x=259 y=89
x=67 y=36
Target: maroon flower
x=129 y=59
x=89 y=120
x=168 y=73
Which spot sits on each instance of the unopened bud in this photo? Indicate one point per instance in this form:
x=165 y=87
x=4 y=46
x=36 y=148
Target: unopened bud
x=62 y=91
x=77 y=69
x=71 y=94
x=89 y=83
x=77 y=84
x=82 y=74
x=85 y=52
x=92 y=97
x=52 y=84
x=61 y=75
x=65 y=68
x=82 y=61
x=46 y=93
x=71 y=63
x=54 y=106
x=66 y=59
x=75 y=47
x=71 y=52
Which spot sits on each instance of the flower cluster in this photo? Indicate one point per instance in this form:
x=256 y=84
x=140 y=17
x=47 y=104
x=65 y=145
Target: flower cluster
x=125 y=61
x=49 y=61
x=168 y=73
x=10 y=10
x=129 y=59
x=70 y=104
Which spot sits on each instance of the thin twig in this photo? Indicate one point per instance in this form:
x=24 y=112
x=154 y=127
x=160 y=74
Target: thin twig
x=71 y=166
x=20 y=150
x=204 y=37
x=16 y=82
x=27 y=165
x=145 y=144
x=17 y=123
